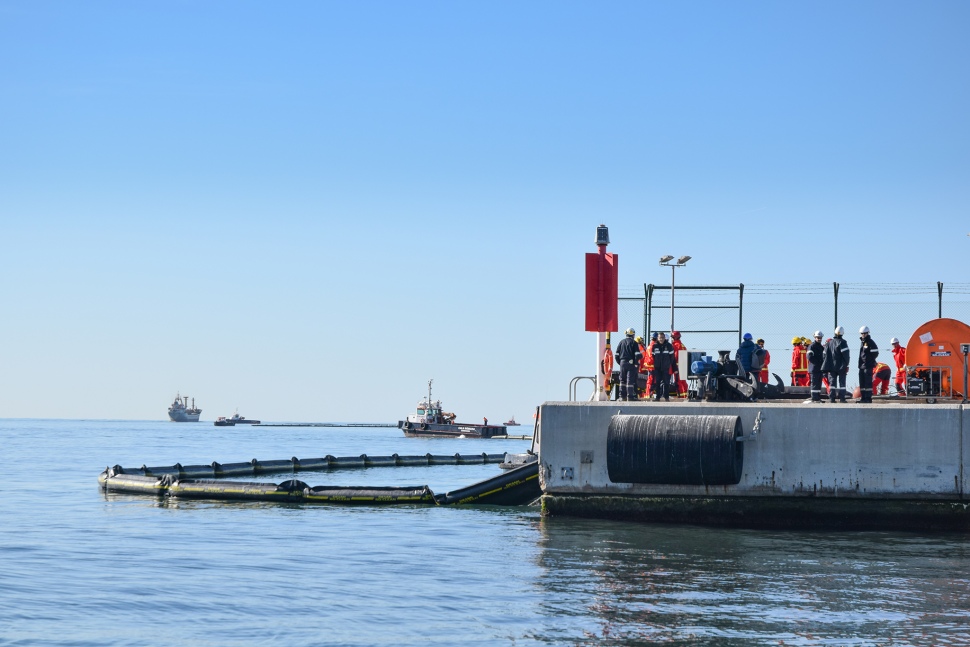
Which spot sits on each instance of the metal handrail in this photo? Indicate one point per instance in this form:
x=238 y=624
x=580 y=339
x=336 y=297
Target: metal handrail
x=574 y=381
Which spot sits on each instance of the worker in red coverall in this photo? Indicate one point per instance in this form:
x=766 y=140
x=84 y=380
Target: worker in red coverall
x=880 y=379
x=899 y=354
x=648 y=365
x=764 y=366
x=679 y=384
x=799 y=362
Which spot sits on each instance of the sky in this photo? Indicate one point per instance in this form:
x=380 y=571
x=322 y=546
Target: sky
x=304 y=211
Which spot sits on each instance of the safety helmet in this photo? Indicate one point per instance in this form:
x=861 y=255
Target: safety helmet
x=818 y=334
x=654 y=336
x=638 y=339
x=630 y=332
x=795 y=341
x=894 y=341
x=839 y=331
x=675 y=334
x=864 y=330
x=747 y=335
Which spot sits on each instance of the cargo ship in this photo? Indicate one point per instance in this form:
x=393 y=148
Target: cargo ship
x=180 y=411
x=429 y=421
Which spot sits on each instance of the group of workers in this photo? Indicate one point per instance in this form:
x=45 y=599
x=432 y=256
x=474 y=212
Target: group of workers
x=814 y=364
x=823 y=366
x=657 y=360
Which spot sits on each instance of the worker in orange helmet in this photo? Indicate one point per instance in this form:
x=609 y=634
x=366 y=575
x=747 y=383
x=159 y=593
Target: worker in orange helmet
x=899 y=354
x=799 y=362
x=764 y=363
x=880 y=379
x=679 y=384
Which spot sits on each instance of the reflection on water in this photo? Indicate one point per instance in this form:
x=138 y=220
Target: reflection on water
x=626 y=584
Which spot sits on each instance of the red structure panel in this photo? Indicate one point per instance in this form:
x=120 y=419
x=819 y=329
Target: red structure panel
x=601 y=292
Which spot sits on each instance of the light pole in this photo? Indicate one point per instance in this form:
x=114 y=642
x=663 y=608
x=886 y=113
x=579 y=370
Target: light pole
x=665 y=261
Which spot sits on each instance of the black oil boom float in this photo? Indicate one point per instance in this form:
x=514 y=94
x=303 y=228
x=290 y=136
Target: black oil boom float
x=517 y=485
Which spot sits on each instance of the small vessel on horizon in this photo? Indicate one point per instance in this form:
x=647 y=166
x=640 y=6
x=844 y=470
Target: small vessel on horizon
x=233 y=420
x=429 y=421
x=180 y=411
x=512 y=423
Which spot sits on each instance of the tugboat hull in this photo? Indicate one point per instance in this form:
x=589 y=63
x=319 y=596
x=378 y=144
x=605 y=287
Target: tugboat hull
x=456 y=430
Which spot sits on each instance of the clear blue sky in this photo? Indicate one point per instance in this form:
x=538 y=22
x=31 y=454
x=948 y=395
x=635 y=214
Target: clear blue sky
x=307 y=209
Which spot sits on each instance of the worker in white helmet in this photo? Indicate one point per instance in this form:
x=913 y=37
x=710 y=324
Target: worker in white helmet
x=835 y=362
x=868 y=353
x=628 y=355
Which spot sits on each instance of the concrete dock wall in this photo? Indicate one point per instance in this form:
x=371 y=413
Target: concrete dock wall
x=899 y=461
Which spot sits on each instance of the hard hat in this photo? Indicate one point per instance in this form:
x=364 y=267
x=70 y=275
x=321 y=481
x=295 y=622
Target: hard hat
x=893 y=341
x=653 y=336
x=747 y=335
x=638 y=339
x=839 y=331
x=864 y=330
x=630 y=332
x=818 y=334
x=675 y=334
x=795 y=341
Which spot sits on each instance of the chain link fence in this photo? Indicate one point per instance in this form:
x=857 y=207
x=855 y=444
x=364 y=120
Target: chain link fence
x=713 y=318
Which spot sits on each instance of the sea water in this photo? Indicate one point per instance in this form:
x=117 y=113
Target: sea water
x=81 y=567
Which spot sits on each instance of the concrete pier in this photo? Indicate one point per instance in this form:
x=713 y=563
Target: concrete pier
x=804 y=465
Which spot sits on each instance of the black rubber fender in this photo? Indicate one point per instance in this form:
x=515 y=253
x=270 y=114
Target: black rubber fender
x=675 y=450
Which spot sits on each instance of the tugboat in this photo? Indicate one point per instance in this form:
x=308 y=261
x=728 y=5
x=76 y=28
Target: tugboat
x=512 y=423
x=233 y=420
x=180 y=411
x=429 y=421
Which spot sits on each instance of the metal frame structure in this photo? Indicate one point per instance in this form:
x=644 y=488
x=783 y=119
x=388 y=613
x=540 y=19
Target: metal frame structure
x=650 y=288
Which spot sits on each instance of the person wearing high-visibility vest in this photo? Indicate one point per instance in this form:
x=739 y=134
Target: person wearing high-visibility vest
x=648 y=366
x=899 y=354
x=799 y=362
x=880 y=379
x=679 y=384
x=764 y=362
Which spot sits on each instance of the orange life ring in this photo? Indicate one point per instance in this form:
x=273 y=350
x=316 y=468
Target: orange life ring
x=607 y=369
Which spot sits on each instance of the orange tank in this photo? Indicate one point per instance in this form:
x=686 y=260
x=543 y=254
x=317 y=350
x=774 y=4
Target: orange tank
x=937 y=344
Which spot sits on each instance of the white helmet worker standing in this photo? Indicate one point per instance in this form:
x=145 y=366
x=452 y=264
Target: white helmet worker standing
x=835 y=362
x=868 y=353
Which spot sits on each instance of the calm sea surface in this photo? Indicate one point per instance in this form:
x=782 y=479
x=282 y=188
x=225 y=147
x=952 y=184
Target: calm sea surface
x=78 y=567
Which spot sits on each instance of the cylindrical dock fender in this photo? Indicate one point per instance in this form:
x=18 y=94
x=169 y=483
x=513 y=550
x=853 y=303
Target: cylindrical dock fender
x=675 y=450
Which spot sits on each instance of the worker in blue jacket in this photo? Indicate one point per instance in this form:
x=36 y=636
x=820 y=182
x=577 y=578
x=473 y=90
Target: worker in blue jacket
x=867 y=361
x=816 y=353
x=663 y=367
x=835 y=362
x=628 y=355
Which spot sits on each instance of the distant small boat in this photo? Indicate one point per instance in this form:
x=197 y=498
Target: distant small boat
x=511 y=422
x=233 y=420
